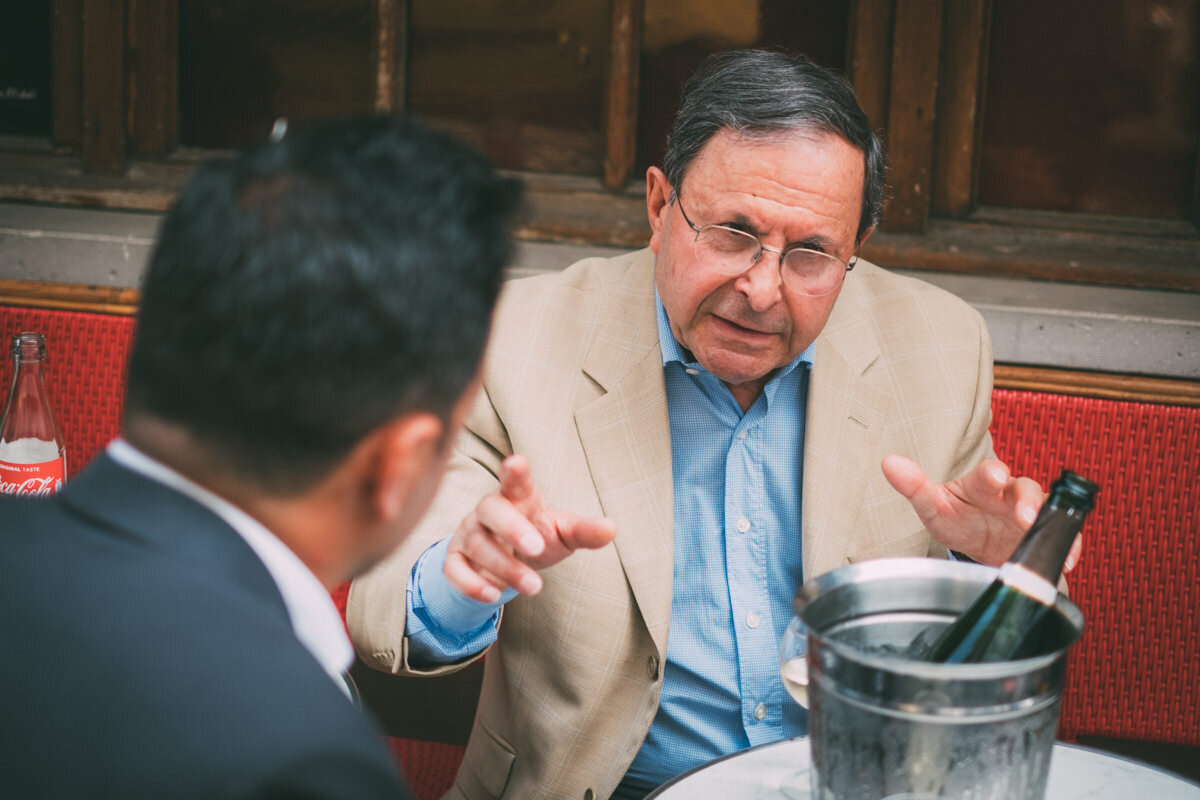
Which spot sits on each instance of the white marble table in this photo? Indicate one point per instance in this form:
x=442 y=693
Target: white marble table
x=1076 y=773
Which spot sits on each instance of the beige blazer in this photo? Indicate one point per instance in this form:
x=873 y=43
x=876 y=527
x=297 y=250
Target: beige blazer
x=574 y=380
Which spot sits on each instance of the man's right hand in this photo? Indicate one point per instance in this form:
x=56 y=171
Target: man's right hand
x=512 y=533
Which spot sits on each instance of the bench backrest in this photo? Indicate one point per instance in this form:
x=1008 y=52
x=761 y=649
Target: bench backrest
x=1135 y=673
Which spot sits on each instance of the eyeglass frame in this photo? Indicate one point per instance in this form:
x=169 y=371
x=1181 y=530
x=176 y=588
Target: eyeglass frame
x=677 y=198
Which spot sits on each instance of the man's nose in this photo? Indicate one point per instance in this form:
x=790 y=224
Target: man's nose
x=761 y=283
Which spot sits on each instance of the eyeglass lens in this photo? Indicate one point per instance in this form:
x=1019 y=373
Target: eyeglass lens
x=733 y=252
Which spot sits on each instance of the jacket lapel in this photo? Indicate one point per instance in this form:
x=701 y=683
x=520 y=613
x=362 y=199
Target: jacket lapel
x=627 y=441
x=844 y=424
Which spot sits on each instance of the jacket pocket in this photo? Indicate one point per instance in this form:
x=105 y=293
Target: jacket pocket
x=486 y=766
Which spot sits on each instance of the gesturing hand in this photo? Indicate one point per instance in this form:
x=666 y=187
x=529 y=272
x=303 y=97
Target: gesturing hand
x=512 y=533
x=983 y=515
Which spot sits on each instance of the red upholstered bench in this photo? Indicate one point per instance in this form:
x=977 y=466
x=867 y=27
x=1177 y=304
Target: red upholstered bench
x=1135 y=674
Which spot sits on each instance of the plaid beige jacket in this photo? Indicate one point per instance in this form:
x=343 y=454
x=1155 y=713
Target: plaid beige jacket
x=574 y=380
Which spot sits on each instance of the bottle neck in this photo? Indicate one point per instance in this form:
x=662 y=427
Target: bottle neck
x=1044 y=549
x=27 y=372
x=27 y=413
x=29 y=349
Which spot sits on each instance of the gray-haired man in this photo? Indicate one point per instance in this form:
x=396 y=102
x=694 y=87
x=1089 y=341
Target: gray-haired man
x=721 y=403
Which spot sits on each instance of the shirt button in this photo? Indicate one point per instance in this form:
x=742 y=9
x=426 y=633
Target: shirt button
x=743 y=525
x=742 y=435
x=760 y=711
x=690 y=371
x=652 y=667
x=752 y=619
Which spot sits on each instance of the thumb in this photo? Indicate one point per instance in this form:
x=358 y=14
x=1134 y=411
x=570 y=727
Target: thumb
x=590 y=533
x=907 y=478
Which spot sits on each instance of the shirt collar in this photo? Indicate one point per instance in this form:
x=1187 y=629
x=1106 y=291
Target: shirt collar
x=315 y=618
x=673 y=351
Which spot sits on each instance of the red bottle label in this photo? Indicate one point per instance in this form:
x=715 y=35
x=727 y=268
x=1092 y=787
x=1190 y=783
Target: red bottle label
x=36 y=480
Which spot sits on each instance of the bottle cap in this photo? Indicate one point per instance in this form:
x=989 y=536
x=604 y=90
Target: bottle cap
x=1081 y=490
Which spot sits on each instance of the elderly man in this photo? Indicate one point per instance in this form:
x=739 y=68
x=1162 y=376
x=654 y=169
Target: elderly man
x=742 y=405
x=298 y=374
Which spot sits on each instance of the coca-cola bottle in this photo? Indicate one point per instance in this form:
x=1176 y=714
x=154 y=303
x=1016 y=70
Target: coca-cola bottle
x=33 y=457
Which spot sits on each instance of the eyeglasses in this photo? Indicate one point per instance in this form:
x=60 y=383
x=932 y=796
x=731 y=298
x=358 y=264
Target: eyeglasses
x=731 y=252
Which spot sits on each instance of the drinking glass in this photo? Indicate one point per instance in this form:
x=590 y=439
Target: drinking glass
x=793 y=668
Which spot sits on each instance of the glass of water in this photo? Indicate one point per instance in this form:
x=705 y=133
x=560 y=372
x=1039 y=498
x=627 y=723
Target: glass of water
x=793 y=668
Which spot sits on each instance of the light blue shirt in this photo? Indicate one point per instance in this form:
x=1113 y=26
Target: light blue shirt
x=737 y=565
x=737 y=480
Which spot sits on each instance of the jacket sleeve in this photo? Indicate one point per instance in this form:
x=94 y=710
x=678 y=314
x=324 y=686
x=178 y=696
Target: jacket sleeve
x=377 y=607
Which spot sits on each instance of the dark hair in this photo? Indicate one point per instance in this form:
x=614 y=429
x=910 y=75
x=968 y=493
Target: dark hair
x=317 y=286
x=757 y=92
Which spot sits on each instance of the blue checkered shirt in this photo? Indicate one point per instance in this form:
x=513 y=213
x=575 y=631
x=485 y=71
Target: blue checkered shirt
x=737 y=565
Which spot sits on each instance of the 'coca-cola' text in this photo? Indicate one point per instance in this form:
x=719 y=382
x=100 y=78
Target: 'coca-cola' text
x=36 y=480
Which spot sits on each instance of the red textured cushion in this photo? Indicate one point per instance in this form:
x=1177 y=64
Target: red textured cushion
x=340 y=595
x=85 y=372
x=1135 y=673
x=429 y=767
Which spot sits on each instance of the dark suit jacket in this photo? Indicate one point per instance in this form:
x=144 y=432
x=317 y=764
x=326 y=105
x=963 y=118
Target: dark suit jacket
x=145 y=651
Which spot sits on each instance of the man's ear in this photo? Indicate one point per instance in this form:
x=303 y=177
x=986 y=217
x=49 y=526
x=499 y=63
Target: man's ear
x=658 y=203
x=407 y=449
x=863 y=239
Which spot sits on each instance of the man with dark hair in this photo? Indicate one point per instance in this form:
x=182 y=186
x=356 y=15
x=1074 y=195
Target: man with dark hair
x=309 y=337
x=722 y=403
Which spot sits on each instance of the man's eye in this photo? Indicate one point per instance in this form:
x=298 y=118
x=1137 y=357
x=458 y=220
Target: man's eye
x=730 y=240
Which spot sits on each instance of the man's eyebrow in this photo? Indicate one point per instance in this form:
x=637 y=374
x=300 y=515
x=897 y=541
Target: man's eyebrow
x=735 y=219
x=814 y=242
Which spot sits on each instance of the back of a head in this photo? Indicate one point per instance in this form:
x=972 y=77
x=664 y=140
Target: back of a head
x=765 y=93
x=317 y=286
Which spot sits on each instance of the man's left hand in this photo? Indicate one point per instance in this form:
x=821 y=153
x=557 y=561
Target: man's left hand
x=983 y=515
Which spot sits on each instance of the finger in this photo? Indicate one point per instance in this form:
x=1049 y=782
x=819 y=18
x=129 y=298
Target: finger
x=590 y=533
x=491 y=578
x=491 y=564
x=907 y=478
x=1076 y=552
x=986 y=483
x=1027 y=498
x=517 y=485
x=502 y=519
x=467 y=580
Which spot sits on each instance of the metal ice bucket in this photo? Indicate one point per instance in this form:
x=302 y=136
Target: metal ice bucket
x=885 y=726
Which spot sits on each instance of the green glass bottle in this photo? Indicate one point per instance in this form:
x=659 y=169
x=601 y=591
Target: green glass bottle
x=1002 y=621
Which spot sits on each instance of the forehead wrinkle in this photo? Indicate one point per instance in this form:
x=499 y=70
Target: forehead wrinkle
x=745 y=209
x=733 y=186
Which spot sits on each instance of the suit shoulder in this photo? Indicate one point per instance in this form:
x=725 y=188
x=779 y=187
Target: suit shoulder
x=576 y=299
x=581 y=278
x=902 y=301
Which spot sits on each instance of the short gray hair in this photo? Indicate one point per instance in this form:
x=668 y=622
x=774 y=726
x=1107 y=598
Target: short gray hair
x=763 y=92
